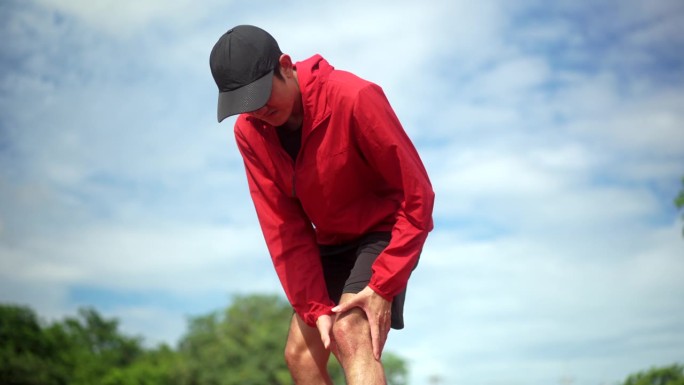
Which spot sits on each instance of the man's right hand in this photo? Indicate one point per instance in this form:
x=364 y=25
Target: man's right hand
x=324 y=324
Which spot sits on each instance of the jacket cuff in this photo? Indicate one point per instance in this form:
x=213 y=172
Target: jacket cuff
x=379 y=292
x=311 y=317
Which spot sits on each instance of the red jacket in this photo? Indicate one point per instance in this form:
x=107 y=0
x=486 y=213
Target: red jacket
x=356 y=172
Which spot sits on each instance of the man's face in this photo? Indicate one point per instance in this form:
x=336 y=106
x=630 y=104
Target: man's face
x=279 y=106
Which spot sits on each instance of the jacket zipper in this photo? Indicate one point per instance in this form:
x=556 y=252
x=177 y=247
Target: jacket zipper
x=285 y=155
x=294 y=167
x=294 y=164
x=294 y=170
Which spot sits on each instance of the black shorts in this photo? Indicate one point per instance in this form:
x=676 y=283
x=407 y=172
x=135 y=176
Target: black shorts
x=347 y=269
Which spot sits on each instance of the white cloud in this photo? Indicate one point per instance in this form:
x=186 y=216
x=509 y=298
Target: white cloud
x=547 y=190
x=509 y=81
x=131 y=19
x=652 y=123
x=172 y=259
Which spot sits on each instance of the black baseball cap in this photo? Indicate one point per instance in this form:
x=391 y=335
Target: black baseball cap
x=242 y=63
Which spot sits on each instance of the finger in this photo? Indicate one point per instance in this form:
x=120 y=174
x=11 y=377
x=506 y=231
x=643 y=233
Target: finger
x=326 y=341
x=324 y=327
x=375 y=337
x=325 y=337
x=343 y=307
x=378 y=341
x=382 y=338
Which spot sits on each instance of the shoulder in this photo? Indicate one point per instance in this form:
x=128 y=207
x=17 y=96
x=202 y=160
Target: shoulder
x=349 y=89
x=347 y=83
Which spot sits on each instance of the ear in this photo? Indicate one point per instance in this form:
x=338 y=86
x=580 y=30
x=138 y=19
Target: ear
x=286 y=66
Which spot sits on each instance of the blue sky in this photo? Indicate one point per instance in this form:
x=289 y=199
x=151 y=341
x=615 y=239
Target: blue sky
x=553 y=134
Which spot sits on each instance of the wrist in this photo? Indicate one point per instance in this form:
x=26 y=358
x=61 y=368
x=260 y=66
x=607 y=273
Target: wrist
x=377 y=291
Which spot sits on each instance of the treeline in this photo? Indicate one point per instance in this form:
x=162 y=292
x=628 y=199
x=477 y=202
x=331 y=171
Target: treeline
x=241 y=345
x=666 y=375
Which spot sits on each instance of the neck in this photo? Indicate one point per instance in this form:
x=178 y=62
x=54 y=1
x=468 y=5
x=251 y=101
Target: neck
x=294 y=122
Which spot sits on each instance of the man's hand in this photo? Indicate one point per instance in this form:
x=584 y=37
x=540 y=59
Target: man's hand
x=378 y=311
x=324 y=324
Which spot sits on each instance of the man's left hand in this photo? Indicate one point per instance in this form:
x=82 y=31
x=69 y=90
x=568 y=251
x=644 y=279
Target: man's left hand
x=378 y=311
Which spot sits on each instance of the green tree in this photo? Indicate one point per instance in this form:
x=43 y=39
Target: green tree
x=395 y=369
x=160 y=366
x=92 y=347
x=242 y=345
x=667 y=375
x=87 y=349
x=27 y=355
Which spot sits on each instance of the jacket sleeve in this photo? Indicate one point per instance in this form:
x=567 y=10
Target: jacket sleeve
x=388 y=149
x=290 y=239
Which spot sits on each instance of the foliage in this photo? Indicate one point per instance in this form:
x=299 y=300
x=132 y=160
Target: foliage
x=93 y=347
x=242 y=344
x=78 y=351
x=395 y=369
x=158 y=366
x=27 y=356
x=668 y=375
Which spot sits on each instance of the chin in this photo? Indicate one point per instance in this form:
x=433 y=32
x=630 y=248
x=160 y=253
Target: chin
x=276 y=121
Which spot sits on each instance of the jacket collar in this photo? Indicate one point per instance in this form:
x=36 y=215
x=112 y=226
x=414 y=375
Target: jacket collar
x=312 y=74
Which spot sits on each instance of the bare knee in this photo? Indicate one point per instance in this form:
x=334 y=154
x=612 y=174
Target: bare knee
x=298 y=357
x=304 y=351
x=351 y=331
x=293 y=355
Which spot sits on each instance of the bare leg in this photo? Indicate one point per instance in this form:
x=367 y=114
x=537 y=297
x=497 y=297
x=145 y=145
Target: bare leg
x=305 y=355
x=354 y=348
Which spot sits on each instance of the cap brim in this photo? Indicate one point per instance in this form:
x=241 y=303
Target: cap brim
x=245 y=99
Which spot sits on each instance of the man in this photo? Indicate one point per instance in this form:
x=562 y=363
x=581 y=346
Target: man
x=342 y=197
